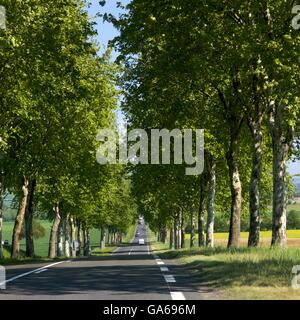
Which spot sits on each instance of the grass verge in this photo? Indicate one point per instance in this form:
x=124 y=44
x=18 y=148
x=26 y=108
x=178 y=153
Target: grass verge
x=240 y=274
x=106 y=251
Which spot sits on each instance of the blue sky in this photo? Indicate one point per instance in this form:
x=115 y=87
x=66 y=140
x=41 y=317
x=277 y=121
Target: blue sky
x=294 y=168
x=107 y=32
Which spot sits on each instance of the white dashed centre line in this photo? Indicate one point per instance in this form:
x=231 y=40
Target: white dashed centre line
x=177 y=296
x=169 y=278
x=164 y=269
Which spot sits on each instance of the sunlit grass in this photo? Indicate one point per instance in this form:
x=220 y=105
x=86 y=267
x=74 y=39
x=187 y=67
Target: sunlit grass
x=245 y=273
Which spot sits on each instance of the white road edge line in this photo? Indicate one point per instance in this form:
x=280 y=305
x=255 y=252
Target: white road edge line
x=33 y=271
x=115 y=251
x=177 y=296
x=41 y=271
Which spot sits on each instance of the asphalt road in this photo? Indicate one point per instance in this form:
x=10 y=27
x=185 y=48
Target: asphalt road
x=132 y=272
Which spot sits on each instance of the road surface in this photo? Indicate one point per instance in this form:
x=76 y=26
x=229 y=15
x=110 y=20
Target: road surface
x=132 y=272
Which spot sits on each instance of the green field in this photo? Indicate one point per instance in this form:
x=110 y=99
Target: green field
x=295 y=207
x=221 y=238
x=41 y=245
x=263 y=234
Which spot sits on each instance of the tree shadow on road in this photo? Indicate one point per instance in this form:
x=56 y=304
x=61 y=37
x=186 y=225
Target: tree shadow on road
x=111 y=276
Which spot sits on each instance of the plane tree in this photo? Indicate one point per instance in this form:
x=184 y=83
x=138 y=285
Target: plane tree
x=58 y=93
x=212 y=54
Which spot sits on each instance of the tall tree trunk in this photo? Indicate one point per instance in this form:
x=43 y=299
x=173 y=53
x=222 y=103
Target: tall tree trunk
x=108 y=236
x=73 y=236
x=29 y=221
x=175 y=233
x=171 y=238
x=236 y=193
x=279 y=196
x=67 y=236
x=87 y=244
x=19 y=220
x=59 y=247
x=102 y=238
x=254 y=197
x=84 y=240
x=79 y=238
x=211 y=204
x=282 y=139
x=53 y=232
x=178 y=222
x=1 y=211
x=235 y=118
x=193 y=227
x=101 y=235
x=182 y=230
x=201 y=220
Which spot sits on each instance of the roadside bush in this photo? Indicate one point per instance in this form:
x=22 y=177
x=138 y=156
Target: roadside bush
x=293 y=220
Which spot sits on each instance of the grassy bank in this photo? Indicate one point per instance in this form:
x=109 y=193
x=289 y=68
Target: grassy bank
x=261 y=273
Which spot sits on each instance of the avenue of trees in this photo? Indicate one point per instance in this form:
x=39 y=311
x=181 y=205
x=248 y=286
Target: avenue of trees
x=56 y=92
x=231 y=68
